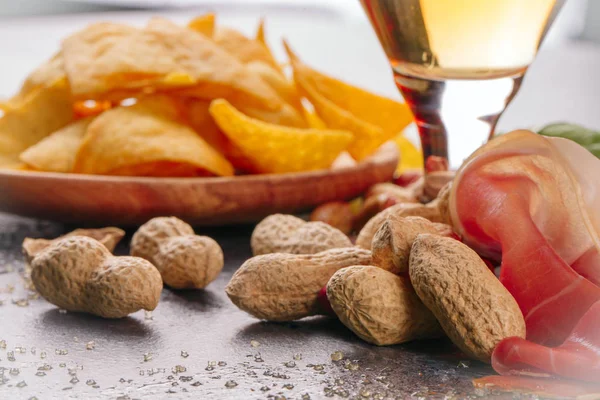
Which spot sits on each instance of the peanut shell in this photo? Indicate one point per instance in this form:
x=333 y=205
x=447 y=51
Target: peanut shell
x=380 y=307
x=475 y=310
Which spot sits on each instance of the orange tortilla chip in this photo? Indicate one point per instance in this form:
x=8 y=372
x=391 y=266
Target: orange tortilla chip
x=278 y=149
x=199 y=119
x=286 y=115
x=311 y=117
x=104 y=59
x=57 y=152
x=372 y=118
x=285 y=88
x=204 y=24
x=261 y=38
x=32 y=117
x=138 y=137
x=390 y=115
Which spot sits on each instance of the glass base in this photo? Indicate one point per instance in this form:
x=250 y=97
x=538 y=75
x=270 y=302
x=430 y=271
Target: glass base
x=456 y=116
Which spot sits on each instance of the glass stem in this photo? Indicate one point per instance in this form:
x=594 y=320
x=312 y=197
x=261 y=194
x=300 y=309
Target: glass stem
x=456 y=116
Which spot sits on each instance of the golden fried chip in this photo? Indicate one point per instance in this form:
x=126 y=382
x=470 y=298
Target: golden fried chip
x=44 y=75
x=57 y=152
x=285 y=88
x=90 y=108
x=372 y=118
x=261 y=38
x=410 y=156
x=137 y=137
x=105 y=59
x=367 y=137
x=199 y=119
x=390 y=115
x=278 y=149
x=242 y=47
x=30 y=118
x=204 y=24
x=286 y=115
x=311 y=117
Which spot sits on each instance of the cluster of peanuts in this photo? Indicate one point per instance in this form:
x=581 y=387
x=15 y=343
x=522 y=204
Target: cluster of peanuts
x=390 y=268
x=78 y=272
x=407 y=275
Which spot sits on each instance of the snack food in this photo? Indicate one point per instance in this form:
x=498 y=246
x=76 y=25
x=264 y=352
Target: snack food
x=78 y=273
x=285 y=287
x=277 y=149
x=68 y=113
x=184 y=260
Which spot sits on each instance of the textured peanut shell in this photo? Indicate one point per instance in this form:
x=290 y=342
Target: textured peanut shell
x=400 y=194
x=380 y=307
x=147 y=240
x=279 y=233
x=78 y=273
x=435 y=181
x=392 y=242
x=443 y=203
x=366 y=234
x=109 y=237
x=337 y=214
x=284 y=287
x=184 y=260
x=123 y=285
x=473 y=307
x=189 y=261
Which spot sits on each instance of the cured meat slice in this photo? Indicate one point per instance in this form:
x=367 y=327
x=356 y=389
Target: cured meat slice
x=534 y=203
x=577 y=358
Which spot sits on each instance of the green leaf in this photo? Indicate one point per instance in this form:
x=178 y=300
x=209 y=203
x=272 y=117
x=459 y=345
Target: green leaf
x=585 y=137
x=576 y=133
x=594 y=148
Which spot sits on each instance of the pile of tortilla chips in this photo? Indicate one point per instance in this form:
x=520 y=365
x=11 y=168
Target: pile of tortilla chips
x=195 y=100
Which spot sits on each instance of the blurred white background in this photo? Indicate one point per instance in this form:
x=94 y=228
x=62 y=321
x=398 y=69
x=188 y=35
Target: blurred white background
x=580 y=19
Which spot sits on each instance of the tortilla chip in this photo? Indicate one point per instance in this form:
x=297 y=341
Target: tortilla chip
x=367 y=137
x=285 y=88
x=242 y=47
x=411 y=157
x=30 y=118
x=278 y=149
x=204 y=24
x=57 y=152
x=311 y=117
x=105 y=59
x=137 y=137
x=286 y=115
x=390 y=115
x=372 y=118
x=44 y=75
x=199 y=118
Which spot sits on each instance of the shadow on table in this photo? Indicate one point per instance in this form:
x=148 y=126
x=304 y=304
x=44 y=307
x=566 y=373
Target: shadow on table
x=53 y=320
x=307 y=328
x=201 y=300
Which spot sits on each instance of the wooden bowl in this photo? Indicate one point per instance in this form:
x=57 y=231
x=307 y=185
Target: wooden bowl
x=125 y=201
